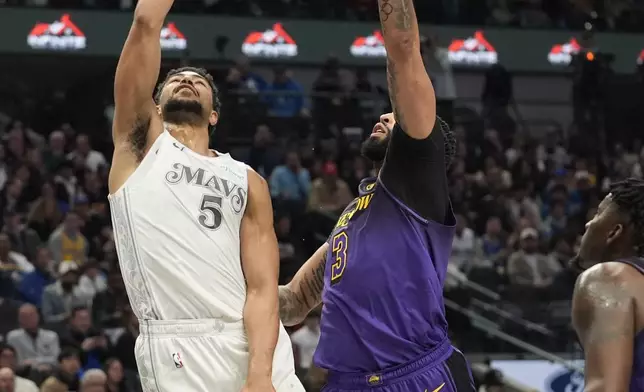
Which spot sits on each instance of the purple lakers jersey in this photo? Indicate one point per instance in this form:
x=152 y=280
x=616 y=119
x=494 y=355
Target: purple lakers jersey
x=383 y=288
x=637 y=373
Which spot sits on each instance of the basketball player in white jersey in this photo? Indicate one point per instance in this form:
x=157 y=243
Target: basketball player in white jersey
x=194 y=232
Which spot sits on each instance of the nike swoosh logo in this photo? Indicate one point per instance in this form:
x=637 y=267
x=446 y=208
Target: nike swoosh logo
x=437 y=389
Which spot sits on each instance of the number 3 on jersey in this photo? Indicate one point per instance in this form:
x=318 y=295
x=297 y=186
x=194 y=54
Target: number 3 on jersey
x=211 y=215
x=339 y=245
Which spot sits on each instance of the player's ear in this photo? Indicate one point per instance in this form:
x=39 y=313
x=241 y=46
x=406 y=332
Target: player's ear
x=214 y=118
x=159 y=109
x=614 y=233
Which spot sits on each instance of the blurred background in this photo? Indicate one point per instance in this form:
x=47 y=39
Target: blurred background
x=545 y=98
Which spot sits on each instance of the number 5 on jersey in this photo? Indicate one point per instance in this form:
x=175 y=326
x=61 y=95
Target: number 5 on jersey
x=210 y=209
x=339 y=245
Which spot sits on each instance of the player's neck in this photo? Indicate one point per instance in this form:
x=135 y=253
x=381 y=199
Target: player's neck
x=195 y=138
x=621 y=255
x=377 y=166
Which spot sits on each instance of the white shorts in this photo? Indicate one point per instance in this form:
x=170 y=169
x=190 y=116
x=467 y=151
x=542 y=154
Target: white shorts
x=204 y=356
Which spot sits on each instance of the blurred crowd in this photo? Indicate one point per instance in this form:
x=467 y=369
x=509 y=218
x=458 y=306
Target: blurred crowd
x=623 y=15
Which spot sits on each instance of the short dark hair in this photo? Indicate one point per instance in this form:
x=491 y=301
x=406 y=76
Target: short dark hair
x=67 y=353
x=77 y=309
x=5 y=346
x=628 y=195
x=216 y=102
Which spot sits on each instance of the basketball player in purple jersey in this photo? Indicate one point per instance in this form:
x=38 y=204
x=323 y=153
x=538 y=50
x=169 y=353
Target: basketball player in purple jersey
x=383 y=324
x=608 y=301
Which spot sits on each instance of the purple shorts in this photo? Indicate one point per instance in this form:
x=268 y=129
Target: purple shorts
x=443 y=370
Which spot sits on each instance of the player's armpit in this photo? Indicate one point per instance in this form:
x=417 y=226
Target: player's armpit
x=260 y=264
x=410 y=89
x=304 y=292
x=138 y=70
x=604 y=318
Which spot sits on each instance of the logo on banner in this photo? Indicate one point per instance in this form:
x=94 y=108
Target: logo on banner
x=475 y=50
x=275 y=42
x=561 y=54
x=62 y=34
x=567 y=381
x=172 y=38
x=369 y=46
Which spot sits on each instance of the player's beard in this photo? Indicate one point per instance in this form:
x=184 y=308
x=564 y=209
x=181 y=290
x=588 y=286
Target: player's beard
x=375 y=149
x=183 y=111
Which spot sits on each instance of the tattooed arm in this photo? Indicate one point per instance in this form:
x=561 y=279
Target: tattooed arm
x=304 y=292
x=410 y=89
x=603 y=316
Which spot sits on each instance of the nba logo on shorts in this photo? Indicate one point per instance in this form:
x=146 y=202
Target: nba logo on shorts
x=176 y=357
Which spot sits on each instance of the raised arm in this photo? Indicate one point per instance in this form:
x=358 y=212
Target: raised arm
x=137 y=73
x=410 y=89
x=603 y=316
x=260 y=263
x=414 y=170
x=304 y=292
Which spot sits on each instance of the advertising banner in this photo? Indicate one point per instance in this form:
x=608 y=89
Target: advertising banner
x=542 y=376
x=100 y=33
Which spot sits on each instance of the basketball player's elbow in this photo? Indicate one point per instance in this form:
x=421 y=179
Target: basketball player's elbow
x=147 y=22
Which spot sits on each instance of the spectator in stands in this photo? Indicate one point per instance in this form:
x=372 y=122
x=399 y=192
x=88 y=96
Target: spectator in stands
x=285 y=97
x=65 y=185
x=12 y=262
x=34 y=346
x=329 y=193
x=492 y=243
x=284 y=238
x=109 y=305
x=557 y=221
x=116 y=380
x=33 y=284
x=527 y=266
x=93 y=380
x=11 y=198
x=23 y=239
x=45 y=215
x=328 y=87
x=92 y=280
x=305 y=340
x=242 y=77
x=65 y=377
x=55 y=153
x=521 y=204
x=83 y=153
x=264 y=154
x=7 y=382
x=291 y=182
x=464 y=248
x=8 y=361
x=67 y=243
x=124 y=347
x=61 y=297
x=8 y=309
x=82 y=336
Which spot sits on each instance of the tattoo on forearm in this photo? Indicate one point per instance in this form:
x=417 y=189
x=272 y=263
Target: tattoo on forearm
x=386 y=9
x=393 y=92
x=402 y=11
x=294 y=307
x=314 y=285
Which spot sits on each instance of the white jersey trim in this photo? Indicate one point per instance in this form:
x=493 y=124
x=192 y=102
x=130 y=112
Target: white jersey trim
x=132 y=268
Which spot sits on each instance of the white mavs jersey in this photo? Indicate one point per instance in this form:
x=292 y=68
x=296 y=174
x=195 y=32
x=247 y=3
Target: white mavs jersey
x=176 y=226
